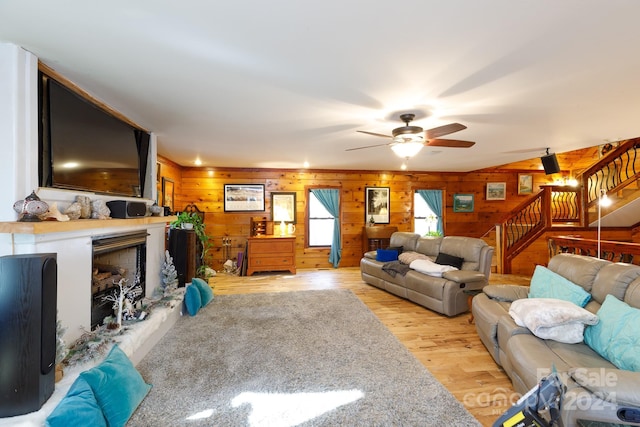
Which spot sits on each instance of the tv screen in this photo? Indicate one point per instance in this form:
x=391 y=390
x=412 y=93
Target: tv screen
x=85 y=148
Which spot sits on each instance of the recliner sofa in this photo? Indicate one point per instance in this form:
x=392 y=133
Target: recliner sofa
x=444 y=294
x=597 y=390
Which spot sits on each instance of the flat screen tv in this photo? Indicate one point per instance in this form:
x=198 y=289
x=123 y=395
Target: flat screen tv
x=85 y=148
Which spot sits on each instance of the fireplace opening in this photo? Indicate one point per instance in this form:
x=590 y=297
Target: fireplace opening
x=116 y=257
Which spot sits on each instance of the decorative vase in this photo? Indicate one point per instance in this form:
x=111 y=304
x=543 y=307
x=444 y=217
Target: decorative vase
x=30 y=209
x=155 y=209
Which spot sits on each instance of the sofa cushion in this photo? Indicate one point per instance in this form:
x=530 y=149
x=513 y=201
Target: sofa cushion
x=579 y=269
x=614 y=279
x=632 y=296
x=452 y=260
x=616 y=337
x=547 y=284
x=467 y=248
x=429 y=246
x=405 y=239
x=386 y=255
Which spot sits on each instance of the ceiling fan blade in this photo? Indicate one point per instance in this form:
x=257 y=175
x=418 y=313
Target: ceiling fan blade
x=456 y=143
x=366 y=146
x=444 y=130
x=374 y=134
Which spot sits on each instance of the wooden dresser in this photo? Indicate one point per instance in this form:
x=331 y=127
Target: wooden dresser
x=271 y=253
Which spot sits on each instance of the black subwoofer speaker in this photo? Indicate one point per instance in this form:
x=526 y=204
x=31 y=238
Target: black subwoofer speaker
x=28 y=301
x=550 y=164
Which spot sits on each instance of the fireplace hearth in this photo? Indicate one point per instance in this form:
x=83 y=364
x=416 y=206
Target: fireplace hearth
x=116 y=257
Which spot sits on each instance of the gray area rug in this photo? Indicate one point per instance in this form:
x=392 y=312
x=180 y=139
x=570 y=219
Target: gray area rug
x=308 y=358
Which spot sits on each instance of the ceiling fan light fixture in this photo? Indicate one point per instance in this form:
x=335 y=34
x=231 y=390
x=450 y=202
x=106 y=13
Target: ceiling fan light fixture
x=408 y=149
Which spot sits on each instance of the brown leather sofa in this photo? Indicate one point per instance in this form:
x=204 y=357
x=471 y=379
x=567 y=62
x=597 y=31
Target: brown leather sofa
x=596 y=389
x=444 y=294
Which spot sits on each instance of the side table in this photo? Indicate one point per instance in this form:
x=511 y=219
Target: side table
x=470 y=294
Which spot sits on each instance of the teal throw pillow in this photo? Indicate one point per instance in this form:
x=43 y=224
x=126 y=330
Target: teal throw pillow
x=548 y=284
x=117 y=386
x=78 y=408
x=206 y=293
x=386 y=255
x=192 y=299
x=616 y=336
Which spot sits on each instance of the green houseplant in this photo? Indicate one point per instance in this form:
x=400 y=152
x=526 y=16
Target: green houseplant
x=193 y=221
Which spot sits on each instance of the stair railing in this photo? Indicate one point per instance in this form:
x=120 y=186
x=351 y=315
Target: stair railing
x=613 y=172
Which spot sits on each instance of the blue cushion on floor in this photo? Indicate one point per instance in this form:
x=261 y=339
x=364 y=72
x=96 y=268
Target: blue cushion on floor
x=117 y=386
x=78 y=408
x=192 y=299
x=206 y=293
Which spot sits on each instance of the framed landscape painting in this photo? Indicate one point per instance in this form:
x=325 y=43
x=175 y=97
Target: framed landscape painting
x=463 y=202
x=496 y=190
x=243 y=197
x=525 y=183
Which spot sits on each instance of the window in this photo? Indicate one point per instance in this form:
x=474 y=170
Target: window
x=424 y=220
x=320 y=223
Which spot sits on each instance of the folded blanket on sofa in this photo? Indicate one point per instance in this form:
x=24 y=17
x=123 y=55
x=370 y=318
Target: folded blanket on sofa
x=430 y=268
x=553 y=319
x=395 y=267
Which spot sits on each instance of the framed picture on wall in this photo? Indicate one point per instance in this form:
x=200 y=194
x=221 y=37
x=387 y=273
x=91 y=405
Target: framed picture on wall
x=377 y=205
x=243 y=197
x=462 y=202
x=525 y=183
x=496 y=190
x=283 y=207
x=168 y=193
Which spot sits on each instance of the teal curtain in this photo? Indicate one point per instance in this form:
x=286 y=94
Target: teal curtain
x=330 y=199
x=433 y=198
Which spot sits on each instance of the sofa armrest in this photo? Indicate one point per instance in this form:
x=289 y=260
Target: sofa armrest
x=506 y=293
x=371 y=254
x=611 y=385
x=464 y=276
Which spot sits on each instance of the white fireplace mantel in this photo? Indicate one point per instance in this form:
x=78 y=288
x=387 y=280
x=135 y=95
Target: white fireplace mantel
x=72 y=242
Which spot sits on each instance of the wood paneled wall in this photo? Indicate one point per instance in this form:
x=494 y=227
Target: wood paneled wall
x=205 y=188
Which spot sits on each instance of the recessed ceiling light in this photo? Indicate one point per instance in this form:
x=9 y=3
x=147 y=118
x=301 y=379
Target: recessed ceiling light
x=198 y=162
x=70 y=165
x=306 y=164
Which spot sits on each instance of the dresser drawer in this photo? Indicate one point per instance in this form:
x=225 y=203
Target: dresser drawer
x=277 y=262
x=269 y=247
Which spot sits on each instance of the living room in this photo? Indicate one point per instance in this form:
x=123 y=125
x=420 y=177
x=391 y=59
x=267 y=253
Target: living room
x=203 y=185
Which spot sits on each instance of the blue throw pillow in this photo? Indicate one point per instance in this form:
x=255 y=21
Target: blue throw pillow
x=386 y=255
x=192 y=299
x=117 y=386
x=548 y=284
x=616 y=336
x=206 y=293
x=78 y=408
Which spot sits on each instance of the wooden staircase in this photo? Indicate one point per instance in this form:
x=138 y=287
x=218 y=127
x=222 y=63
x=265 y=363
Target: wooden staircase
x=556 y=207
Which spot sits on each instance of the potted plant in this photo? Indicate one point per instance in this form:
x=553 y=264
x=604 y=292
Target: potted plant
x=193 y=221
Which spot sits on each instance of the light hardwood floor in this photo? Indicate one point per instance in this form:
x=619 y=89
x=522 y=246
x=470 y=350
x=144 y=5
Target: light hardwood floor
x=448 y=347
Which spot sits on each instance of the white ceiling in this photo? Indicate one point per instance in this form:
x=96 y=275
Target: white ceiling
x=251 y=83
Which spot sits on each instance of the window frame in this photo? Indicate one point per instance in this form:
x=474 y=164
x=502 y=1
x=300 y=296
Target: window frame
x=307 y=193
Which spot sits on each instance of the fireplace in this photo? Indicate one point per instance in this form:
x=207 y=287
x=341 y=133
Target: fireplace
x=116 y=257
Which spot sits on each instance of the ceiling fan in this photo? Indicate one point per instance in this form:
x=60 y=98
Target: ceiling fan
x=407 y=140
